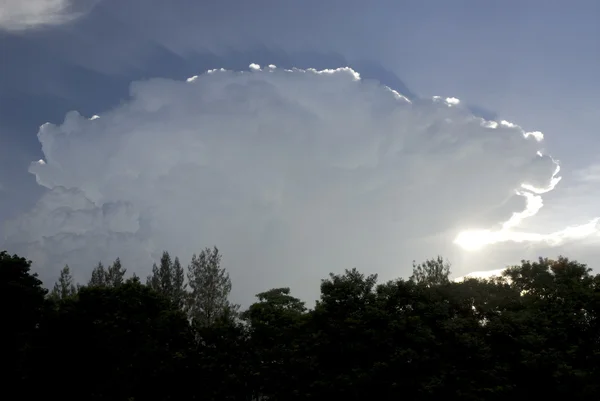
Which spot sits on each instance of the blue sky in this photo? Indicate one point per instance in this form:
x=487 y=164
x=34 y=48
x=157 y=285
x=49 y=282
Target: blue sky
x=533 y=63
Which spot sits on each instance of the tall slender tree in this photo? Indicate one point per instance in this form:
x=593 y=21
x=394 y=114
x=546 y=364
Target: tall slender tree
x=115 y=275
x=168 y=279
x=179 y=293
x=98 y=278
x=152 y=280
x=210 y=287
x=64 y=287
x=164 y=274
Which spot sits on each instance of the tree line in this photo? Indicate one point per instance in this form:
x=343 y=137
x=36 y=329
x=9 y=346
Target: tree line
x=533 y=332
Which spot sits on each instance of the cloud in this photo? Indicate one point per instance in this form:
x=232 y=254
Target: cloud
x=292 y=173
x=21 y=15
x=485 y=274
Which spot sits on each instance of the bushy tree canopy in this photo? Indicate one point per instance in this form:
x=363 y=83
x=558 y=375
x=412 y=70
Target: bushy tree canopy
x=533 y=333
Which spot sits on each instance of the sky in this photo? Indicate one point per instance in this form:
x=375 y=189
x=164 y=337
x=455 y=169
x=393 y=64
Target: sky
x=301 y=138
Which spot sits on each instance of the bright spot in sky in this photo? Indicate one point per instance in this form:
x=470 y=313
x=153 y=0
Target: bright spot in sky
x=474 y=240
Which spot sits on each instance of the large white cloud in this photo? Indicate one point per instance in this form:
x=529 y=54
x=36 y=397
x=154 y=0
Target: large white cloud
x=292 y=173
x=21 y=15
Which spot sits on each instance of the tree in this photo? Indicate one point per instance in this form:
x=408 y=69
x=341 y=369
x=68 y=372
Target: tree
x=153 y=280
x=554 y=330
x=22 y=307
x=179 y=293
x=342 y=324
x=347 y=290
x=168 y=279
x=124 y=342
x=115 y=275
x=222 y=357
x=98 y=278
x=161 y=278
x=533 y=333
x=431 y=272
x=275 y=324
x=210 y=287
x=64 y=288
x=272 y=303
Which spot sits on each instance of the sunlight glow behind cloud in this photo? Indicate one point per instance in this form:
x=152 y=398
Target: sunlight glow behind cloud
x=473 y=240
x=292 y=173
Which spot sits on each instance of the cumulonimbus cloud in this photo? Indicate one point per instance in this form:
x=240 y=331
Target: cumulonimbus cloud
x=293 y=173
x=22 y=15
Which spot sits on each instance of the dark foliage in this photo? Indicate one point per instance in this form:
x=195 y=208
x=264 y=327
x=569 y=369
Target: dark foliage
x=532 y=334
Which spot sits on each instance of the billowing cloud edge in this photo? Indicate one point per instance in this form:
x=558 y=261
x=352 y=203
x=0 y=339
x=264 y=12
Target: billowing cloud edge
x=91 y=208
